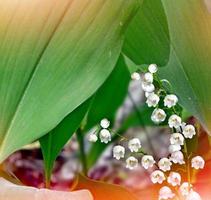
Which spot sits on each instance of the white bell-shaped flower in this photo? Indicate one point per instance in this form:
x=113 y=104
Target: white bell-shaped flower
x=193 y=196
x=177 y=139
x=174 y=121
x=197 y=162
x=118 y=152
x=153 y=68
x=174 y=178
x=170 y=100
x=153 y=100
x=131 y=163
x=148 y=87
x=184 y=189
x=105 y=136
x=148 y=93
x=92 y=137
x=157 y=177
x=177 y=157
x=135 y=76
x=165 y=193
x=134 y=145
x=189 y=131
x=164 y=164
x=147 y=161
x=147 y=78
x=174 y=147
x=158 y=115
x=105 y=123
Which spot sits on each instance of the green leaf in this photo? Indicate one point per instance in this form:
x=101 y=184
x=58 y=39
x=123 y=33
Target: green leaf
x=54 y=56
x=147 y=38
x=189 y=68
x=110 y=96
x=53 y=142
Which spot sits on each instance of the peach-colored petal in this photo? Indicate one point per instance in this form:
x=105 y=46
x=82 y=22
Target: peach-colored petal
x=10 y=191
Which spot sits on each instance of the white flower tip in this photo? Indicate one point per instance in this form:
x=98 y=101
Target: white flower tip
x=153 y=68
x=105 y=136
x=105 y=123
x=197 y=162
x=164 y=164
x=165 y=193
x=158 y=115
x=131 y=163
x=147 y=161
x=134 y=145
x=174 y=178
x=118 y=152
x=135 y=76
x=92 y=137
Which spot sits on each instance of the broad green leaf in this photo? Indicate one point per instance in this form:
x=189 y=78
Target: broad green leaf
x=110 y=96
x=53 y=142
x=189 y=68
x=147 y=38
x=54 y=56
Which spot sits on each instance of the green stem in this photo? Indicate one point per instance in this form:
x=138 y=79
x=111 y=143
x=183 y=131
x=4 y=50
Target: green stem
x=188 y=165
x=80 y=139
x=143 y=126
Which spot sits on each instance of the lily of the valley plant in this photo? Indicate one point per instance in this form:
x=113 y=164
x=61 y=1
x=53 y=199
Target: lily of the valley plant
x=166 y=107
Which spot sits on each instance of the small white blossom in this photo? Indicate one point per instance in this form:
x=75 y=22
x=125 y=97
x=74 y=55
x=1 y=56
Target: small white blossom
x=164 y=164
x=92 y=137
x=153 y=100
x=105 y=136
x=148 y=87
x=174 y=178
x=132 y=163
x=174 y=121
x=157 y=177
x=158 y=115
x=174 y=148
x=153 y=68
x=165 y=193
x=147 y=94
x=184 y=189
x=197 y=162
x=193 y=196
x=147 y=161
x=134 y=145
x=135 y=76
x=189 y=131
x=170 y=100
x=177 y=139
x=105 y=123
x=147 y=78
x=182 y=126
x=118 y=152
x=177 y=157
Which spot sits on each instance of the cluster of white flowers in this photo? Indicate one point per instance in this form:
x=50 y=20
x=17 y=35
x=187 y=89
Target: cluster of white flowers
x=177 y=144
x=177 y=140
x=104 y=134
x=134 y=145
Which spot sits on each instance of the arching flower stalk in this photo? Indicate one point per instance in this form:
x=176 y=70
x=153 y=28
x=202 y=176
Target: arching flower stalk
x=167 y=110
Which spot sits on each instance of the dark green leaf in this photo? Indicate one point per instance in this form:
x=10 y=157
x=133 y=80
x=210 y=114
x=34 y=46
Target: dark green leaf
x=147 y=38
x=53 y=142
x=110 y=95
x=54 y=56
x=189 y=68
